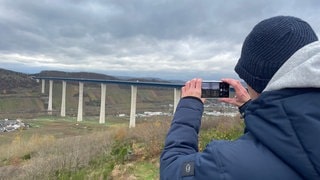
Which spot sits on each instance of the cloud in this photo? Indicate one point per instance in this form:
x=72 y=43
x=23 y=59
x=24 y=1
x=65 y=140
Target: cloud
x=180 y=38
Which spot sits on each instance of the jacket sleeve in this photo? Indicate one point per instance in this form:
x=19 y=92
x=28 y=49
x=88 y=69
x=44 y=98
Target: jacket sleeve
x=182 y=138
x=180 y=157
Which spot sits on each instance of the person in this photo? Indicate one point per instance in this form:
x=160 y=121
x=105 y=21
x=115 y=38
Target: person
x=280 y=63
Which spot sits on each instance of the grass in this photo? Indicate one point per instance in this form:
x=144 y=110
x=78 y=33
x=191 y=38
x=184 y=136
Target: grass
x=65 y=149
x=57 y=127
x=146 y=170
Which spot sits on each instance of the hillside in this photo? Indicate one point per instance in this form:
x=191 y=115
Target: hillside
x=90 y=75
x=87 y=75
x=10 y=80
x=21 y=96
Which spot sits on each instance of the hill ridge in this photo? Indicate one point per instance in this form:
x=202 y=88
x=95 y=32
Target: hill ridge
x=11 y=79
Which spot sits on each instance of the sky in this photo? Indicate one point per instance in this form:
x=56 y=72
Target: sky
x=167 y=39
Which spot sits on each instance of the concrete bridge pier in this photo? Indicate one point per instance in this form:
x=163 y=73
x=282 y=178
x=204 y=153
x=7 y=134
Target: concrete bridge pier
x=133 y=106
x=103 y=104
x=50 y=97
x=176 y=98
x=134 y=85
x=43 y=84
x=63 y=99
x=80 y=104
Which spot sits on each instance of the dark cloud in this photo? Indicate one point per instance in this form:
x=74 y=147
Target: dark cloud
x=135 y=36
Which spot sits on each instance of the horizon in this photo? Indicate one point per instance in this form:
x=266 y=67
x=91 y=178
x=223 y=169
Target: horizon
x=115 y=74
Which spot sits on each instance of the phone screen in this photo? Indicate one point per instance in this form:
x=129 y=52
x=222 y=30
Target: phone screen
x=214 y=89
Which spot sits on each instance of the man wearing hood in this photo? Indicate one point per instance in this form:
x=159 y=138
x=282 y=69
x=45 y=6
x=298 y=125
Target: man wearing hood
x=280 y=62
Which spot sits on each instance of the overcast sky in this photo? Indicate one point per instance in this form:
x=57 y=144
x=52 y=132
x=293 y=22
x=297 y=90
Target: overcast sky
x=169 y=39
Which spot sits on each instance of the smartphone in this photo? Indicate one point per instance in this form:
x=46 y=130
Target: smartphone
x=214 y=89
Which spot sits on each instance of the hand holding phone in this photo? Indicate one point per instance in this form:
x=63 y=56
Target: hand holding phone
x=192 y=88
x=241 y=94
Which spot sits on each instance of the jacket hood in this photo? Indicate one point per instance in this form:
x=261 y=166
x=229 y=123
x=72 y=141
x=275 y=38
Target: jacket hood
x=302 y=69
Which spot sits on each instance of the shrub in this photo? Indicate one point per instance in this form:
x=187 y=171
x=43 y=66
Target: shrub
x=222 y=129
x=148 y=137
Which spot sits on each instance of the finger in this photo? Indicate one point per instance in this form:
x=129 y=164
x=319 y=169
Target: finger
x=233 y=82
x=193 y=83
x=187 y=85
x=183 y=91
x=236 y=84
x=198 y=83
x=203 y=99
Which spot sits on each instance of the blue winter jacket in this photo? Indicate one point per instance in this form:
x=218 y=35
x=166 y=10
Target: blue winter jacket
x=280 y=142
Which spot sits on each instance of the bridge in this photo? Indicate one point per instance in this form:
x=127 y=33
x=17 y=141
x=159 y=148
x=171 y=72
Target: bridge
x=134 y=88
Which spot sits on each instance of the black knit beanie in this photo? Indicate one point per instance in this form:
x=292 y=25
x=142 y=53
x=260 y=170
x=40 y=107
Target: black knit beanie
x=270 y=43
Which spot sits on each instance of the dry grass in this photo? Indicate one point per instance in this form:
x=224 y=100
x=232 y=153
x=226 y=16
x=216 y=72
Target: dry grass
x=150 y=136
x=146 y=141
x=42 y=156
x=127 y=151
x=45 y=156
x=209 y=122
